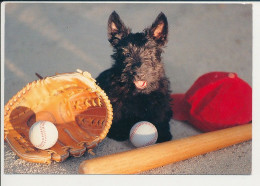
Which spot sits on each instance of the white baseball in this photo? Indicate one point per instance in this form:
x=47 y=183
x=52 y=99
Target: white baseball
x=143 y=133
x=43 y=134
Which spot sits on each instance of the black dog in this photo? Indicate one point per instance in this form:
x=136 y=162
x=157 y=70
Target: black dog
x=136 y=83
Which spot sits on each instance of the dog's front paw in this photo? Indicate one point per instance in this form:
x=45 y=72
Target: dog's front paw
x=166 y=136
x=118 y=135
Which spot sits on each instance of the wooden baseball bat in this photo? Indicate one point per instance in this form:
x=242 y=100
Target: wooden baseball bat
x=146 y=158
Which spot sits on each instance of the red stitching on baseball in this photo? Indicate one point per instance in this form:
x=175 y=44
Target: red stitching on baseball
x=43 y=135
x=131 y=136
x=155 y=130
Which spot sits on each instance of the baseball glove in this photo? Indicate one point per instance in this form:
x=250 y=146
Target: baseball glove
x=73 y=102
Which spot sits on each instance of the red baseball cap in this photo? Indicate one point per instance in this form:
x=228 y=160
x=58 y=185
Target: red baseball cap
x=215 y=101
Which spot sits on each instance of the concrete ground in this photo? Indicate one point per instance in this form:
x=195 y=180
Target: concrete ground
x=49 y=38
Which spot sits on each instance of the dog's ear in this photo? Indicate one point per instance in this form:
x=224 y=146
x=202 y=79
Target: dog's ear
x=116 y=29
x=159 y=29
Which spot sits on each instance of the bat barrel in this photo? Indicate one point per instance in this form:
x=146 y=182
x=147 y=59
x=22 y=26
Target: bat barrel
x=146 y=158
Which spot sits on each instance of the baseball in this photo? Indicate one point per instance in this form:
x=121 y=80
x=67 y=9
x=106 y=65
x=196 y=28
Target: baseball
x=43 y=134
x=143 y=134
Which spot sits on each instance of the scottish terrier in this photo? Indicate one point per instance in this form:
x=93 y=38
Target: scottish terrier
x=136 y=83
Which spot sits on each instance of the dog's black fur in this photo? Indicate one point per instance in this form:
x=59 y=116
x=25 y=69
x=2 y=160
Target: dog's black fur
x=136 y=83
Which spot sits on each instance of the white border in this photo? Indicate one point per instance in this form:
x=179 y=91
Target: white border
x=256 y=90
x=212 y=180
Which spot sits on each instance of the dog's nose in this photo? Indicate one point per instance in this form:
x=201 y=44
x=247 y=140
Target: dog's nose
x=138 y=64
x=139 y=77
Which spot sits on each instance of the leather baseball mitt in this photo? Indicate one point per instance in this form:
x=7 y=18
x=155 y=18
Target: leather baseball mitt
x=73 y=102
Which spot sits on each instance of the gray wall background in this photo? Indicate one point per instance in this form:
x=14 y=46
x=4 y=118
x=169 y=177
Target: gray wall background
x=50 y=38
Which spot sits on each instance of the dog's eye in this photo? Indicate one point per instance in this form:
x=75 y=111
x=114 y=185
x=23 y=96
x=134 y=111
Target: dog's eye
x=127 y=55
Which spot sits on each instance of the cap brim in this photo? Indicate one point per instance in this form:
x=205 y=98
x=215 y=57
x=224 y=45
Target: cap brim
x=179 y=106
